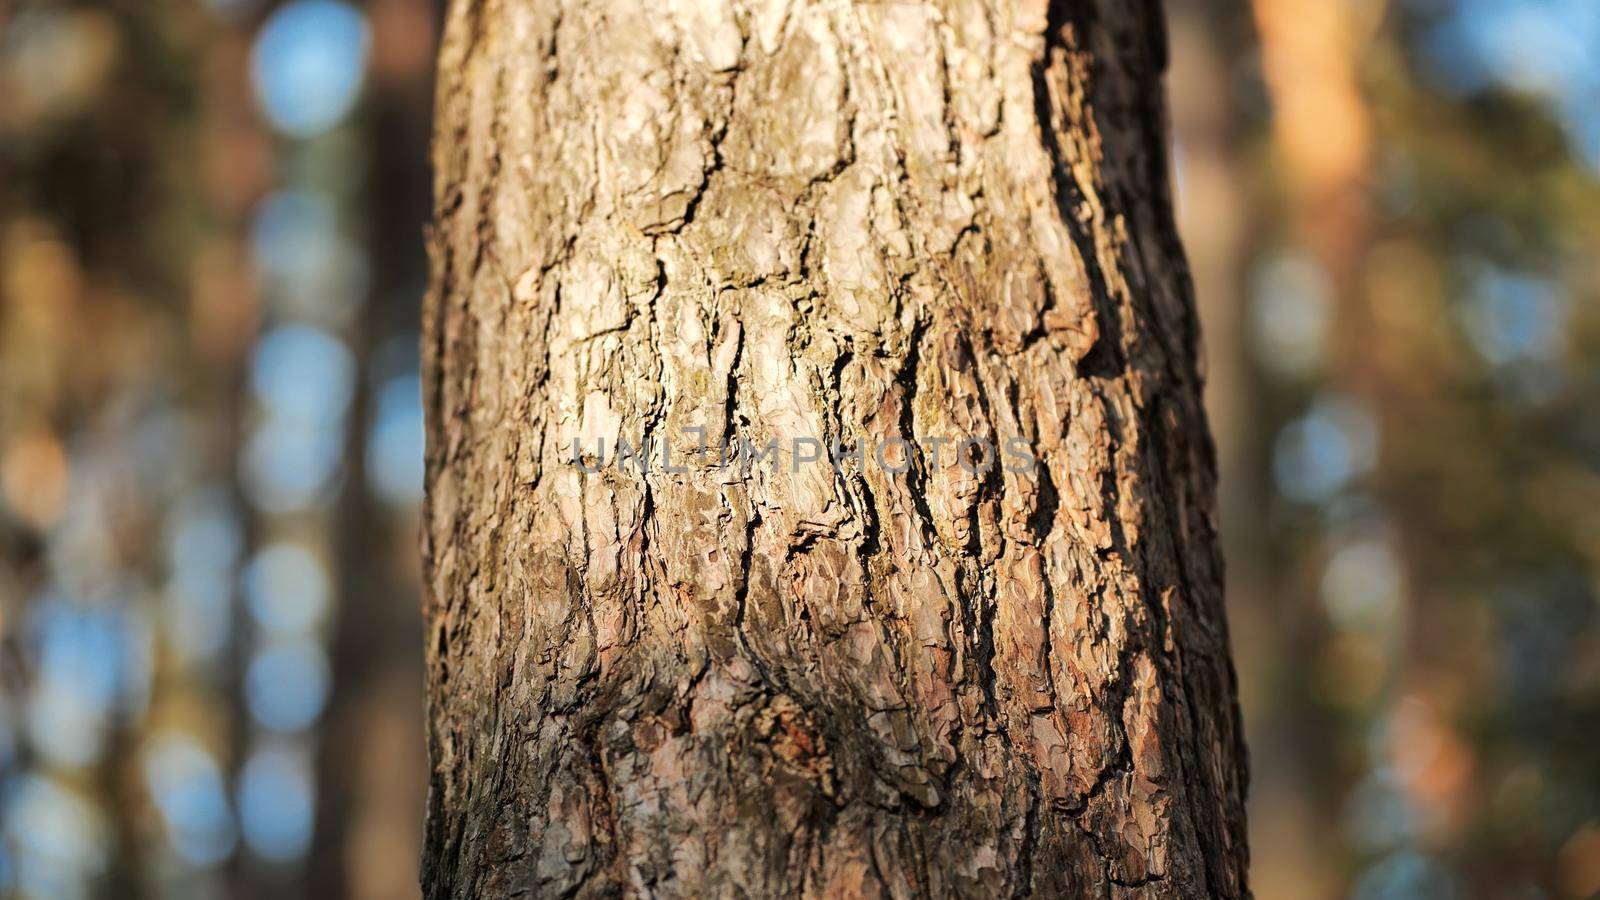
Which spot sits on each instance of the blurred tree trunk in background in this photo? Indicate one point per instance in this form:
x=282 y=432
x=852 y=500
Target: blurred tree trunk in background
x=900 y=677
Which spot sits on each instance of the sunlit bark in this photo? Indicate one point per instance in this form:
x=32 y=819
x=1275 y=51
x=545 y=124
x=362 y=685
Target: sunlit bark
x=850 y=223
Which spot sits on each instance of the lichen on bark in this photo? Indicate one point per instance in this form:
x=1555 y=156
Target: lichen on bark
x=851 y=221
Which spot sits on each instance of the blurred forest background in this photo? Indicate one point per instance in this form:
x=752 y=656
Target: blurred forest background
x=210 y=438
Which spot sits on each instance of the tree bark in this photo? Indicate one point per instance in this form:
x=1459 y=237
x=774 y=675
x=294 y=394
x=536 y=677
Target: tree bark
x=774 y=219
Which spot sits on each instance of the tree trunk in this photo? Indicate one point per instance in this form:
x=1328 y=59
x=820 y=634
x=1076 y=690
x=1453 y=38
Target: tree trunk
x=906 y=676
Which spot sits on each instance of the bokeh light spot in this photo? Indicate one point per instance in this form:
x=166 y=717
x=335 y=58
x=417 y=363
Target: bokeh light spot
x=394 y=446
x=187 y=787
x=275 y=796
x=307 y=65
x=287 y=588
x=287 y=684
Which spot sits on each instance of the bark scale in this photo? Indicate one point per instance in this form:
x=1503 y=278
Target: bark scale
x=847 y=221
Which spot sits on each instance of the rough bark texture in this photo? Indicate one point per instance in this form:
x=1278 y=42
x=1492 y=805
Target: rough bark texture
x=771 y=219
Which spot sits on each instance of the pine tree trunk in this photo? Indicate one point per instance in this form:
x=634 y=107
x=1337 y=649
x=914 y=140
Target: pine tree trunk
x=849 y=222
